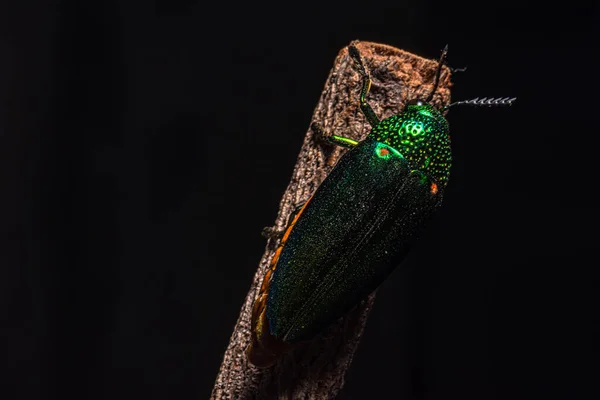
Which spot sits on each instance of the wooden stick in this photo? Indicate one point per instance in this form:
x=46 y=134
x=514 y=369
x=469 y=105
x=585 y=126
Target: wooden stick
x=316 y=371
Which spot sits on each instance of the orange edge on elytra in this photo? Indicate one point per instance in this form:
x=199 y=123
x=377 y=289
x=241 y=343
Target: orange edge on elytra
x=264 y=349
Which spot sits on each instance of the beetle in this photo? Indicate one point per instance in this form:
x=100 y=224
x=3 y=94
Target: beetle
x=359 y=224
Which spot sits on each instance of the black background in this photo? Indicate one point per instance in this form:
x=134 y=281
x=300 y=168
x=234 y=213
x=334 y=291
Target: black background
x=144 y=145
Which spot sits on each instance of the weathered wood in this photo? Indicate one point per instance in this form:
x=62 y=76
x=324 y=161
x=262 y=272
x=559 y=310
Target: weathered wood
x=316 y=370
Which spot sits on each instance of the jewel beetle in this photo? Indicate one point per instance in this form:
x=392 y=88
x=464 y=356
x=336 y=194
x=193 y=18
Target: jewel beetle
x=342 y=243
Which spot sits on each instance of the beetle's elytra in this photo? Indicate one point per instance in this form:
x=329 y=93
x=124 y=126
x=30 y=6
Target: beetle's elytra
x=357 y=226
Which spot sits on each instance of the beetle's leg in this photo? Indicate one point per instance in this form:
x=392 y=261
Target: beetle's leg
x=271 y=232
x=366 y=85
x=342 y=141
x=332 y=139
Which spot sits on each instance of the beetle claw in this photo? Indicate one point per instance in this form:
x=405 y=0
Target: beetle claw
x=319 y=135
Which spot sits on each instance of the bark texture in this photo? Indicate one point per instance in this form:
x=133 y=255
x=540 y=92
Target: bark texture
x=316 y=370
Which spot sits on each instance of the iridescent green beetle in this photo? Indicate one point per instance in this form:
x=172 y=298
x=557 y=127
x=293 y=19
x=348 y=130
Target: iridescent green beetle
x=358 y=225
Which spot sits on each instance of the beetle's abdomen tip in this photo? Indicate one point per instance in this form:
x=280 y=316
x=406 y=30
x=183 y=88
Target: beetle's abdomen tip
x=264 y=349
x=259 y=357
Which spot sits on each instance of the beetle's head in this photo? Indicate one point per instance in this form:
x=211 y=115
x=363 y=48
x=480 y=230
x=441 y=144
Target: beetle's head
x=421 y=134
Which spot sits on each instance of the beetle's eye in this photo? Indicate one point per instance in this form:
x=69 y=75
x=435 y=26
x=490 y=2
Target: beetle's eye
x=415 y=102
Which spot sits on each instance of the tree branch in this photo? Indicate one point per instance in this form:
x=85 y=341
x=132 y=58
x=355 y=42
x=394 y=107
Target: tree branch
x=316 y=370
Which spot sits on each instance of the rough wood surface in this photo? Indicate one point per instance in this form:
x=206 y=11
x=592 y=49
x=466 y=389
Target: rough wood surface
x=316 y=370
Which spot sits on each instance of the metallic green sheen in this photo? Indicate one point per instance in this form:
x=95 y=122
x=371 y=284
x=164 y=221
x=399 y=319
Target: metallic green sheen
x=355 y=230
x=421 y=135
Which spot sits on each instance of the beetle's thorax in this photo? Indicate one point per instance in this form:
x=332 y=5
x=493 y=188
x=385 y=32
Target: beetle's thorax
x=420 y=133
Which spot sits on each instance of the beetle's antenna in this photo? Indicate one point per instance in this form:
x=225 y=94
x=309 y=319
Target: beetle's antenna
x=491 y=102
x=438 y=73
x=455 y=70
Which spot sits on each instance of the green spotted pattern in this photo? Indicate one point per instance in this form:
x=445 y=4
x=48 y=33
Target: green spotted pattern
x=421 y=134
